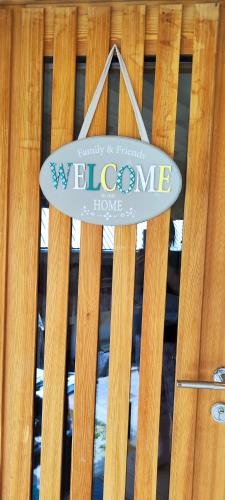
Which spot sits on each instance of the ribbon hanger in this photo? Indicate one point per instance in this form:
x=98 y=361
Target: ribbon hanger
x=97 y=94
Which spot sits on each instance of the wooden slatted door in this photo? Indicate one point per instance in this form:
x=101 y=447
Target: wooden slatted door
x=85 y=325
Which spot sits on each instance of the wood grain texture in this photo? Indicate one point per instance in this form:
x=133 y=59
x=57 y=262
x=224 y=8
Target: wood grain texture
x=104 y=2
x=123 y=277
x=152 y=14
x=156 y=256
x=89 y=280
x=194 y=241
x=64 y=63
x=22 y=259
x=5 y=72
x=209 y=480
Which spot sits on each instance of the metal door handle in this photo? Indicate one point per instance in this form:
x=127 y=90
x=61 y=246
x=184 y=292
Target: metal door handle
x=218 y=384
x=190 y=384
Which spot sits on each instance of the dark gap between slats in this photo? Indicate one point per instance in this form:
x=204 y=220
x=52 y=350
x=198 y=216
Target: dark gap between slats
x=72 y=305
x=147 y=109
x=105 y=310
x=173 y=284
x=42 y=280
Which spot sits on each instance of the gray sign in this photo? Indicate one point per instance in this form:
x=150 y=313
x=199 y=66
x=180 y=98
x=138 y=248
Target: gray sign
x=110 y=180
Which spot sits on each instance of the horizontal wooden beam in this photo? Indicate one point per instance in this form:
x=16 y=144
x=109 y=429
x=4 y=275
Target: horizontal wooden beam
x=152 y=16
x=105 y=2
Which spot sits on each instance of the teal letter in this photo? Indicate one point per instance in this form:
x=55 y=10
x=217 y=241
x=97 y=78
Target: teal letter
x=119 y=180
x=91 y=187
x=64 y=177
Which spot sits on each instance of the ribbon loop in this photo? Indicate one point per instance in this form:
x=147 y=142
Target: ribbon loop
x=97 y=94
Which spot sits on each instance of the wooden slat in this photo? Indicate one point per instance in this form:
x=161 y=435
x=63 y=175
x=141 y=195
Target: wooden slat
x=123 y=277
x=151 y=30
x=192 y=271
x=156 y=255
x=209 y=477
x=23 y=244
x=5 y=72
x=64 y=65
x=89 y=280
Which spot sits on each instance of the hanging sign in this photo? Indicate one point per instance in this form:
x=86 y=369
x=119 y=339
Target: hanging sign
x=111 y=180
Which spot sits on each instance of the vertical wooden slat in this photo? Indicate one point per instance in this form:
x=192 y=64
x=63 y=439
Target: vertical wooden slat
x=209 y=477
x=22 y=259
x=156 y=255
x=133 y=34
x=5 y=70
x=64 y=65
x=89 y=280
x=192 y=271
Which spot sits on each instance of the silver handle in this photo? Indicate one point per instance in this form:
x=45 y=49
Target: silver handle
x=217 y=385
x=190 y=384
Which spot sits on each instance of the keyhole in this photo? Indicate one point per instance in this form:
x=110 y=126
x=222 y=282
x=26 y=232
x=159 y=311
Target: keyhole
x=221 y=413
x=218 y=413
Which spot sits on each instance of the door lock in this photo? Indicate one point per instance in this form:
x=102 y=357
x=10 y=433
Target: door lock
x=218 y=413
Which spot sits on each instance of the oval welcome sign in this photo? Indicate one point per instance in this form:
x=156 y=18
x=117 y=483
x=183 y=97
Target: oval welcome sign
x=110 y=180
